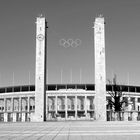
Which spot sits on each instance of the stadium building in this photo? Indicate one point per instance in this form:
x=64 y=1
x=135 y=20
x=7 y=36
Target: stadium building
x=42 y=102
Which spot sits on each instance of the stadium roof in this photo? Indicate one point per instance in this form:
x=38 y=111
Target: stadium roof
x=49 y=87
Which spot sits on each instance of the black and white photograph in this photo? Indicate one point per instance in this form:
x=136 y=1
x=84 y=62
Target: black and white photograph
x=69 y=70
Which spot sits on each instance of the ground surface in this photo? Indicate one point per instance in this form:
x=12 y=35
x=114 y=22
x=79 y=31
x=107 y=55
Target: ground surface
x=70 y=130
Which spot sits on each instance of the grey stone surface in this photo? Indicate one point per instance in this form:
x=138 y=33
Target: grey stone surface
x=70 y=130
x=100 y=69
x=40 y=76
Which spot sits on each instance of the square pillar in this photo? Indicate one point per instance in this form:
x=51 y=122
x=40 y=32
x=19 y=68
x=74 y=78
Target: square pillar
x=23 y=117
x=19 y=104
x=76 y=107
x=40 y=70
x=85 y=106
x=5 y=117
x=5 y=113
x=55 y=104
x=28 y=104
x=14 y=117
x=66 y=110
x=100 y=69
x=136 y=101
x=125 y=115
x=4 y=105
x=12 y=104
x=134 y=116
x=31 y=116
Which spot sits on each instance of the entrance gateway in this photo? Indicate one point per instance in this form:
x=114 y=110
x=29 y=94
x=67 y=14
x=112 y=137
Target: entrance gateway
x=69 y=105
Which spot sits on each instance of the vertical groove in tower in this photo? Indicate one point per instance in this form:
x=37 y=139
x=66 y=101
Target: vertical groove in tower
x=40 y=74
x=100 y=69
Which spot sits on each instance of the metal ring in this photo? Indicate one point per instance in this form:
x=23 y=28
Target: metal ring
x=70 y=43
x=74 y=44
x=66 y=44
x=62 y=41
x=78 y=41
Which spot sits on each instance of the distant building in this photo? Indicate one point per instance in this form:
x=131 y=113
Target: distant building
x=18 y=103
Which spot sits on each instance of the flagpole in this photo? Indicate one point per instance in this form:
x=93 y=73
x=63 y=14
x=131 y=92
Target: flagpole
x=80 y=75
x=61 y=76
x=112 y=79
x=128 y=78
x=13 y=80
x=71 y=76
x=112 y=76
x=29 y=80
x=128 y=82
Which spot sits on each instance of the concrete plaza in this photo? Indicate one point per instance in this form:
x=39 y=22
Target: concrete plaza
x=70 y=130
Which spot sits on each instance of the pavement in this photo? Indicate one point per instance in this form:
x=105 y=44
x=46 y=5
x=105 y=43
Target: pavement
x=70 y=130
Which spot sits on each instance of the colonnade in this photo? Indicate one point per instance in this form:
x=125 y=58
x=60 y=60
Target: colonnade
x=13 y=109
x=71 y=106
x=60 y=106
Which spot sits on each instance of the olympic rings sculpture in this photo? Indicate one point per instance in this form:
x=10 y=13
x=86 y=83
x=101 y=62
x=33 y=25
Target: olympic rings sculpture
x=70 y=43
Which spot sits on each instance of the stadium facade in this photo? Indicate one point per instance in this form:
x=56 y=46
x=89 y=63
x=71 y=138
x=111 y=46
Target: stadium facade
x=41 y=102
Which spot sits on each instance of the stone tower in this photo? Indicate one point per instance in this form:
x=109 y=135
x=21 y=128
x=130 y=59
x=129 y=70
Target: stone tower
x=40 y=74
x=100 y=69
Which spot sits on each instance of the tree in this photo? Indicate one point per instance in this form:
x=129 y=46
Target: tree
x=117 y=102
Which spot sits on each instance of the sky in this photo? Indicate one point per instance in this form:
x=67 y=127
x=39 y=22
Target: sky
x=69 y=19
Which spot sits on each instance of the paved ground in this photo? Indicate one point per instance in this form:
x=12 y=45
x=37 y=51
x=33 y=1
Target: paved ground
x=70 y=130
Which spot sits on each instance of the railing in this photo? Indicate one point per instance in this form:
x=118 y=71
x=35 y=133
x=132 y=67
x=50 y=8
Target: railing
x=71 y=107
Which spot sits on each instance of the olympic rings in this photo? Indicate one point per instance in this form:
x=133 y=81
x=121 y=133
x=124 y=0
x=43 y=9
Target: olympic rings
x=70 y=43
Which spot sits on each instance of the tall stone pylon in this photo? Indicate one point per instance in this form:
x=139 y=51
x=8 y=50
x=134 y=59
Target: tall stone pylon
x=100 y=69
x=40 y=74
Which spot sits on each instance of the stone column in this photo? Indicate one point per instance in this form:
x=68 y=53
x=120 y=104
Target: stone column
x=23 y=117
x=40 y=72
x=134 y=103
x=136 y=100
x=66 y=110
x=12 y=104
x=5 y=111
x=4 y=105
x=14 y=117
x=19 y=108
x=5 y=117
x=19 y=104
x=56 y=104
x=28 y=110
x=76 y=107
x=125 y=115
x=134 y=116
x=23 y=110
x=85 y=105
x=100 y=69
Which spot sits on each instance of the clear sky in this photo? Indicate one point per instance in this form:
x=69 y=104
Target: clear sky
x=69 y=19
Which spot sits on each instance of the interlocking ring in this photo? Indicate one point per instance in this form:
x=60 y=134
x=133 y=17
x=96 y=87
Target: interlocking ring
x=70 y=43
